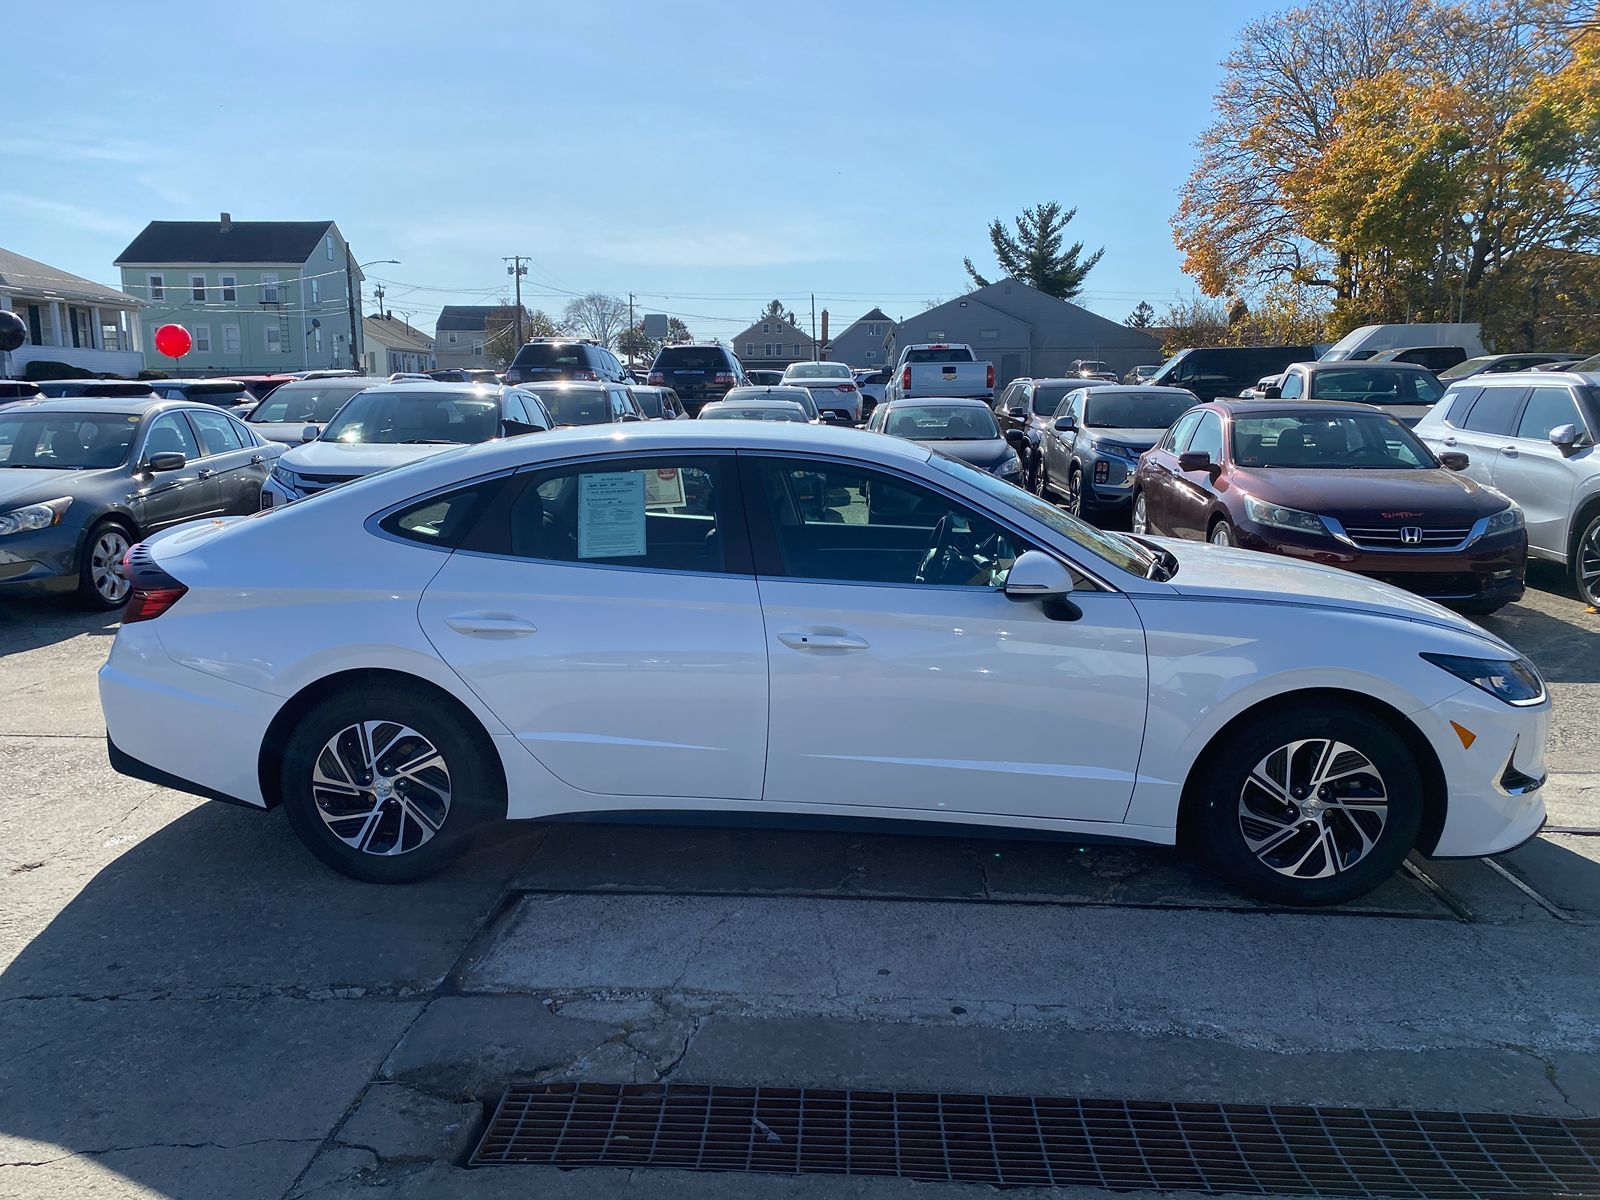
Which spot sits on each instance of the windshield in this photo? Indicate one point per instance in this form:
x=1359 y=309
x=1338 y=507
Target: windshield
x=578 y=407
x=1471 y=367
x=942 y=423
x=764 y=412
x=1376 y=385
x=1120 y=551
x=1137 y=410
x=1359 y=441
x=939 y=354
x=415 y=418
x=686 y=359
x=303 y=403
x=66 y=441
x=818 y=370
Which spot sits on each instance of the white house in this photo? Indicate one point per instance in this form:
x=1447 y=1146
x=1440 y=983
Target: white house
x=70 y=319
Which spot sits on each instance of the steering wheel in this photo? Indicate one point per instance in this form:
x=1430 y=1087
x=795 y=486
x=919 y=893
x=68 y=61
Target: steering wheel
x=940 y=547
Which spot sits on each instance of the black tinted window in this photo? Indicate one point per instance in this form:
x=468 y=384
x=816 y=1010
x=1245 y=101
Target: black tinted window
x=563 y=356
x=691 y=358
x=442 y=520
x=1495 y=410
x=1459 y=400
x=1548 y=408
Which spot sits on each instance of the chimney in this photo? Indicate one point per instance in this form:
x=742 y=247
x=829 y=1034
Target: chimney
x=226 y=222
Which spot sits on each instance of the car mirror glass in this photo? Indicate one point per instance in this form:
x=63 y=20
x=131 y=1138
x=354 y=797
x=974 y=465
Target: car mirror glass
x=1453 y=460
x=1194 y=460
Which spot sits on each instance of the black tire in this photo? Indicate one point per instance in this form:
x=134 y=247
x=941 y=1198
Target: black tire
x=1221 y=534
x=1585 y=560
x=473 y=793
x=1134 y=523
x=1042 y=482
x=1075 y=492
x=1227 y=800
x=101 y=585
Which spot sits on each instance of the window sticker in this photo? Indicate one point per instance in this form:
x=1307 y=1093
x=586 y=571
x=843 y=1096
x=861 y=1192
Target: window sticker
x=663 y=488
x=611 y=515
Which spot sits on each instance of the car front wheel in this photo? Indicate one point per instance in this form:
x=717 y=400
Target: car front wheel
x=1586 y=563
x=1312 y=806
x=1222 y=534
x=101 y=583
x=387 y=787
x=1141 y=518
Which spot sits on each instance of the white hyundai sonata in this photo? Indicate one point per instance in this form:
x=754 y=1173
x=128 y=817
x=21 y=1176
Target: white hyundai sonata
x=751 y=617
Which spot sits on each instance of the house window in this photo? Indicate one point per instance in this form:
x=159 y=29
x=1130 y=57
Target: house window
x=871 y=354
x=316 y=291
x=269 y=289
x=477 y=345
x=318 y=333
x=767 y=350
x=197 y=288
x=274 y=340
x=230 y=339
x=989 y=335
x=230 y=289
x=158 y=288
x=202 y=339
x=328 y=241
x=797 y=349
x=766 y=327
x=110 y=337
x=749 y=349
x=936 y=335
x=452 y=337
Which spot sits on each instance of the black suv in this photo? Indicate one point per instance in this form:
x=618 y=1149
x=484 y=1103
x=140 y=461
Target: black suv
x=545 y=359
x=699 y=374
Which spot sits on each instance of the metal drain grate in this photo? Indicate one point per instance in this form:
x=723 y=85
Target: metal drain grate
x=1036 y=1140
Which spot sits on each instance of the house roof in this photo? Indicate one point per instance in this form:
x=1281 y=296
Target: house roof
x=241 y=242
x=395 y=334
x=18 y=273
x=784 y=330
x=469 y=318
x=877 y=314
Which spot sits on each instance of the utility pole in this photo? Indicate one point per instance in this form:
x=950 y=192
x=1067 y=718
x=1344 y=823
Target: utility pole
x=378 y=289
x=631 y=339
x=814 y=357
x=517 y=270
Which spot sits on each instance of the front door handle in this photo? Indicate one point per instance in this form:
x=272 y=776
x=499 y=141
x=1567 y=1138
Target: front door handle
x=1511 y=450
x=205 y=473
x=811 y=639
x=490 y=625
x=257 y=459
x=1449 y=441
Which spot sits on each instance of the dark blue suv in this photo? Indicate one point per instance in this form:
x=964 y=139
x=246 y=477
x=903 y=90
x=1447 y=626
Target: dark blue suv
x=1091 y=449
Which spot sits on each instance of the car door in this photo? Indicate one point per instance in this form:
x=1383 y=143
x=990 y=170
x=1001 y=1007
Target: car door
x=1058 y=444
x=1158 y=473
x=1193 y=492
x=904 y=679
x=606 y=612
x=1540 y=476
x=167 y=498
x=1482 y=428
x=1012 y=411
x=229 y=450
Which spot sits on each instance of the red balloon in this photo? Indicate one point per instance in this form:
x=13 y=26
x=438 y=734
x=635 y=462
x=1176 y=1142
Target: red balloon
x=174 y=341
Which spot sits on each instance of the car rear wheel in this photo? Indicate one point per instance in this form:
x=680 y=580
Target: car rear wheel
x=387 y=787
x=101 y=583
x=1141 y=520
x=1315 y=805
x=1075 y=491
x=1586 y=562
x=1222 y=534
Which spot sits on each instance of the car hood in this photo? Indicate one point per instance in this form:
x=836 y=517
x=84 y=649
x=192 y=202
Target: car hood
x=1137 y=440
x=986 y=454
x=354 y=458
x=30 y=485
x=1429 y=498
x=283 y=431
x=1220 y=572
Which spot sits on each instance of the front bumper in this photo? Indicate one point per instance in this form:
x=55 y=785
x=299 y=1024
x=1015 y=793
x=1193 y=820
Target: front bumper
x=1108 y=482
x=41 y=559
x=1492 y=568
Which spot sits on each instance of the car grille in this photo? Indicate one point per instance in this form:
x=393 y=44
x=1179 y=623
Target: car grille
x=1440 y=585
x=1388 y=537
x=316 y=483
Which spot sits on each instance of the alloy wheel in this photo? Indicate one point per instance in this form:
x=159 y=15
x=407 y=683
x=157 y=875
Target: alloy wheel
x=1075 y=493
x=1589 y=563
x=1140 y=523
x=105 y=566
x=1222 y=535
x=1313 y=808
x=381 y=787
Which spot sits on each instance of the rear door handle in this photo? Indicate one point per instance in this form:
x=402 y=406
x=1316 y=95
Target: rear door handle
x=810 y=639
x=490 y=625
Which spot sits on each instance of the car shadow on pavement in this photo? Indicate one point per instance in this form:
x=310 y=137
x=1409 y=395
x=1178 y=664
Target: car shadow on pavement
x=29 y=623
x=1564 y=647
x=204 y=1009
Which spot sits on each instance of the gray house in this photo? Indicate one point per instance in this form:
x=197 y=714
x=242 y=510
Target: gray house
x=1025 y=332
x=861 y=345
x=460 y=335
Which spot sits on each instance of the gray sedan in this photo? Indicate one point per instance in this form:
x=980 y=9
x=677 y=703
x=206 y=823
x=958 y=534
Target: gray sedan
x=82 y=480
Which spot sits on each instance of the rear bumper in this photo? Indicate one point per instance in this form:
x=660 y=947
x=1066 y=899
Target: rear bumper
x=124 y=763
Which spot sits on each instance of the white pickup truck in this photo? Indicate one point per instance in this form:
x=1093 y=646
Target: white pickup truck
x=940 y=369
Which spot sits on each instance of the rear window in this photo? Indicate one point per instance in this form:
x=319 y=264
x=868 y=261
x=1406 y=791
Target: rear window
x=943 y=354
x=691 y=358
x=312 y=402
x=115 y=389
x=1376 y=385
x=563 y=356
x=586 y=407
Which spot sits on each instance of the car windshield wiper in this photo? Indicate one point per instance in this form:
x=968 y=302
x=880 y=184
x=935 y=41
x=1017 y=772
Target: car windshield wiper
x=426 y=442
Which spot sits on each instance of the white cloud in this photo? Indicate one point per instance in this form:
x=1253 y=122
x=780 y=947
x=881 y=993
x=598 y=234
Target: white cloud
x=75 y=215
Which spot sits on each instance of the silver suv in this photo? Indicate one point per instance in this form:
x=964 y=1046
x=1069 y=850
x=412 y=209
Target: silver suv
x=1532 y=436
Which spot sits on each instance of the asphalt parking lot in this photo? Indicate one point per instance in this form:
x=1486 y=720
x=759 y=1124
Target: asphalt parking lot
x=190 y=1006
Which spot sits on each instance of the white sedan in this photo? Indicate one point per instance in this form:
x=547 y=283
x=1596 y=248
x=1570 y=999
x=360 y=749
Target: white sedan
x=651 y=617
x=831 y=384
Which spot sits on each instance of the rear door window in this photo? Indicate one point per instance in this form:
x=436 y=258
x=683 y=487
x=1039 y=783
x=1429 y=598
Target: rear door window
x=1495 y=410
x=217 y=432
x=1459 y=401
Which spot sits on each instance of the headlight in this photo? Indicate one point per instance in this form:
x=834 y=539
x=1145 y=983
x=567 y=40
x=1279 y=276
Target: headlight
x=33 y=516
x=1263 y=513
x=1011 y=466
x=1513 y=680
x=282 y=474
x=1128 y=453
x=1505 y=520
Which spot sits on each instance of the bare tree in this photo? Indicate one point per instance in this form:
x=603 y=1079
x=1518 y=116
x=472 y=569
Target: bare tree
x=597 y=316
x=500 y=329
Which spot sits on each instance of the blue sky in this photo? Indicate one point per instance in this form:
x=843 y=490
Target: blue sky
x=705 y=156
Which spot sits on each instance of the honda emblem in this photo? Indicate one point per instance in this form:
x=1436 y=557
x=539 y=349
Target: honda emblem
x=1411 y=535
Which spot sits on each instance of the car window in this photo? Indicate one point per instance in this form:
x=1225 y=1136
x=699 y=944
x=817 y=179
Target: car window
x=1456 y=402
x=1207 y=436
x=65 y=440
x=1180 y=431
x=943 y=423
x=216 y=431
x=651 y=403
x=850 y=523
x=663 y=514
x=1293 y=385
x=1354 y=440
x=1047 y=398
x=1135 y=410
x=1375 y=385
x=1548 y=408
x=1495 y=410
x=441 y=520
x=579 y=406
x=690 y=358
x=298 y=403
x=170 y=434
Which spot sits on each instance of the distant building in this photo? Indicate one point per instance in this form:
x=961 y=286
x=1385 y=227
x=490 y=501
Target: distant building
x=70 y=319
x=861 y=344
x=772 y=344
x=460 y=334
x=1025 y=332
x=392 y=345
x=258 y=297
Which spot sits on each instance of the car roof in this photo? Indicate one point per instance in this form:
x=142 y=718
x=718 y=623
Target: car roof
x=435 y=387
x=1141 y=389
x=1072 y=381
x=754 y=402
x=938 y=402
x=325 y=380
x=123 y=406
x=1289 y=408
x=555 y=385
x=1527 y=379
x=1359 y=364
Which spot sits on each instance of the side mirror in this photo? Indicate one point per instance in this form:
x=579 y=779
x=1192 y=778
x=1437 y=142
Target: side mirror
x=1017 y=438
x=1066 y=424
x=310 y=433
x=1037 y=576
x=1273 y=391
x=169 y=460
x=1565 y=438
x=1194 y=460
x=1453 y=460
x=629 y=416
x=511 y=428
x=1017 y=411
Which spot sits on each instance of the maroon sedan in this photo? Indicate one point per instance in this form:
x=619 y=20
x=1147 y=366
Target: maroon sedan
x=1345 y=485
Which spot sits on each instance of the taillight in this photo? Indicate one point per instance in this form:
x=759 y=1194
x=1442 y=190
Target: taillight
x=990 y=384
x=154 y=591
x=723 y=377
x=580 y=373
x=657 y=379
x=513 y=375
x=905 y=379
x=847 y=387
